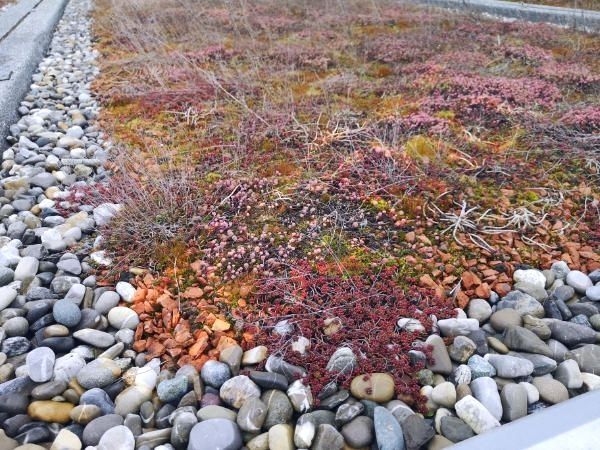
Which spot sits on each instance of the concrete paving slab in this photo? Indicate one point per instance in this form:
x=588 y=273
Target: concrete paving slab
x=580 y=19
x=27 y=28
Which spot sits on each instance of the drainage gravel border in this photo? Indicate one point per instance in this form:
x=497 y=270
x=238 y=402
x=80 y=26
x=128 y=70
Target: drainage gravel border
x=579 y=19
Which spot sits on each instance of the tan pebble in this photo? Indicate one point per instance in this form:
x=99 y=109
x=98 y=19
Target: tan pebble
x=49 y=411
x=377 y=387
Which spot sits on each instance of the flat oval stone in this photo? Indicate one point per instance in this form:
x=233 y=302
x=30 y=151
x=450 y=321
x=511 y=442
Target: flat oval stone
x=378 y=387
x=96 y=338
x=215 y=433
x=50 y=411
x=40 y=364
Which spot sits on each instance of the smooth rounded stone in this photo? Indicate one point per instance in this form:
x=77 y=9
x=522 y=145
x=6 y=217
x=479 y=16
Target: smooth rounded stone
x=440 y=360
x=269 y=380
x=7 y=275
x=522 y=303
x=335 y=400
x=542 y=365
x=215 y=373
x=70 y=265
x=327 y=438
x=533 y=394
x=129 y=400
x=254 y=355
x=590 y=382
x=568 y=373
x=514 y=402
x=497 y=345
x=95 y=338
x=7 y=371
x=480 y=367
x=474 y=414
x=593 y=293
x=134 y=423
x=348 y=411
x=300 y=396
x=563 y=293
x=304 y=431
x=48 y=390
x=425 y=377
x=216 y=412
x=410 y=324
x=15 y=346
x=40 y=364
x=56 y=331
x=147 y=414
x=462 y=374
x=377 y=387
x=510 y=366
x=279 y=408
x=106 y=301
x=455 y=429
x=17 y=326
x=172 y=390
x=505 y=318
x=153 y=439
x=358 y=433
x=537 y=326
x=479 y=309
x=457 y=327
x=26 y=268
x=281 y=437
x=388 y=432
x=530 y=276
x=587 y=357
x=84 y=414
x=117 y=438
x=68 y=366
x=252 y=415
x=7 y=296
x=279 y=365
x=122 y=317
x=14 y=403
x=50 y=411
x=182 y=427
x=232 y=356
x=571 y=334
x=560 y=269
x=94 y=430
x=578 y=281
x=444 y=394
x=485 y=390
x=522 y=339
x=237 y=390
x=126 y=291
x=99 y=398
x=209 y=399
x=551 y=391
x=66 y=440
x=163 y=416
x=417 y=432
x=461 y=349
x=260 y=442
x=89 y=319
x=14 y=423
x=559 y=351
x=98 y=373
x=536 y=292
x=342 y=361
x=66 y=313
x=215 y=434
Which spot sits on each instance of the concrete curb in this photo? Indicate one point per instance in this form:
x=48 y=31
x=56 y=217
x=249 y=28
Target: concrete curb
x=25 y=33
x=570 y=425
x=579 y=19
